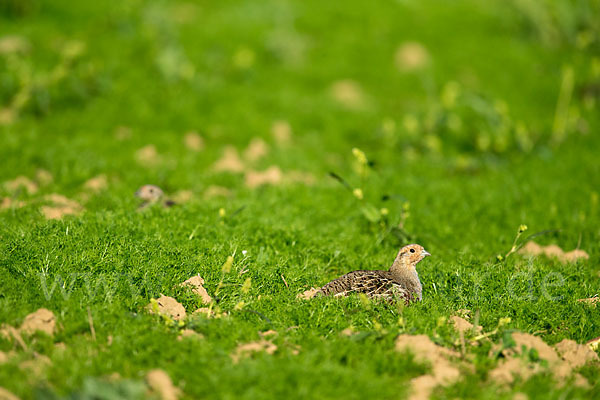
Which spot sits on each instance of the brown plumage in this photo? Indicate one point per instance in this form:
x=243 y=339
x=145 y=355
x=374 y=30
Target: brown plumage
x=401 y=282
x=152 y=194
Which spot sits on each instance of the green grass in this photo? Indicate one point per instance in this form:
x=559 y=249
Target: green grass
x=165 y=68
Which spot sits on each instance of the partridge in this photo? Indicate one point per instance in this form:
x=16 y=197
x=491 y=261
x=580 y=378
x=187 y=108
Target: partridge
x=152 y=194
x=399 y=283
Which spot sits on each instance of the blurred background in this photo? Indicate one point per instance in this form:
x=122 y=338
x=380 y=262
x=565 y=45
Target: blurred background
x=212 y=99
x=457 y=79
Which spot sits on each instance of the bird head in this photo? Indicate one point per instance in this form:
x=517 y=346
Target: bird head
x=411 y=254
x=149 y=193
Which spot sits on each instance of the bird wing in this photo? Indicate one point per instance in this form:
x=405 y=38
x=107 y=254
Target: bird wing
x=376 y=284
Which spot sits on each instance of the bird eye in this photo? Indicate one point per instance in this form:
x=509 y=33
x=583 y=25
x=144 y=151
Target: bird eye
x=412 y=250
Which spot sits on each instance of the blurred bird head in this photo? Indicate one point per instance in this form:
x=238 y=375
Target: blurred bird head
x=149 y=193
x=411 y=254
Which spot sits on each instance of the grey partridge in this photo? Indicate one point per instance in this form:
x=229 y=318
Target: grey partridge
x=152 y=194
x=399 y=283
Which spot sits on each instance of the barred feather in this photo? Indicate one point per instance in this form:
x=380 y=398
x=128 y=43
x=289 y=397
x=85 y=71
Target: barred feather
x=375 y=284
x=400 y=283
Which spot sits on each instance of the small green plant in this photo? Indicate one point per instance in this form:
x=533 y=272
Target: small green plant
x=372 y=207
x=460 y=121
x=225 y=270
x=518 y=244
x=522 y=228
x=502 y=330
x=561 y=22
x=574 y=25
x=27 y=89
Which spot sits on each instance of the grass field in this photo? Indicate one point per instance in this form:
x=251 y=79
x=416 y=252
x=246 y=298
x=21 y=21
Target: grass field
x=448 y=124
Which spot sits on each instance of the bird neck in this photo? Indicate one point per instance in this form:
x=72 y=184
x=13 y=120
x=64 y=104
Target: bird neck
x=405 y=271
x=407 y=275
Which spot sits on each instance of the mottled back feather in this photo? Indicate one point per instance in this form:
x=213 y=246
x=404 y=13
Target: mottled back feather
x=376 y=284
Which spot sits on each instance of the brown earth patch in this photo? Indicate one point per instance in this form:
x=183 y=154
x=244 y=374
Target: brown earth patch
x=308 y=294
x=96 y=184
x=411 y=56
x=553 y=251
x=4 y=357
x=575 y=354
x=348 y=93
x=196 y=282
x=193 y=141
x=462 y=325
x=230 y=161
x=281 y=132
x=506 y=371
x=36 y=367
x=123 y=133
x=43 y=177
x=271 y=175
x=443 y=372
x=189 y=333
x=11 y=333
x=148 y=156
x=257 y=149
x=10 y=44
x=216 y=191
x=516 y=363
x=40 y=320
x=61 y=206
x=527 y=341
x=161 y=384
x=301 y=177
x=6 y=395
x=167 y=306
x=247 y=349
x=8 y=115
x=209 y=313
x=267 y=333
x=349 y=331
x=60 y=347
x=21 y=182
x=7 y=203
x=574 y=255
x=182 y=196
x=594 y=344
x=592 y=301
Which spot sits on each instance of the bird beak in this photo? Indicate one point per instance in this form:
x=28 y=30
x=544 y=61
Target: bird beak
x=425 y=253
